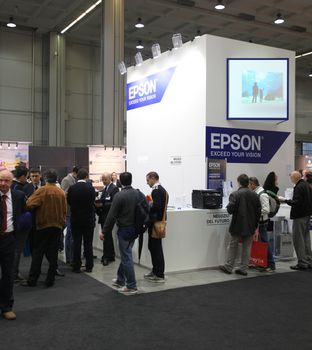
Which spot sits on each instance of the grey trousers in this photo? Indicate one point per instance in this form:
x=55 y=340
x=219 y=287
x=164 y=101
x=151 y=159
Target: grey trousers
x=301 y=239
x=233 y=250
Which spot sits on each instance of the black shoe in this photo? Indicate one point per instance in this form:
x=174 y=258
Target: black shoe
x=28 y=283
x=224 y=269
x=88 y=270
x=59 y=273
x=240 y=272
x=76 y=270
x=49 y=283
x=105 y=262
x=299 y=267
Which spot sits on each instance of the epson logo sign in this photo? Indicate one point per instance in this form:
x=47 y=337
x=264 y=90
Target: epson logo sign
x=236 y=142
x=143 y=89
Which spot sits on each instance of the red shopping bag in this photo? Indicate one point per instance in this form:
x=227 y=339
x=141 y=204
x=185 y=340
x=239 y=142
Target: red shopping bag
x=259 y=252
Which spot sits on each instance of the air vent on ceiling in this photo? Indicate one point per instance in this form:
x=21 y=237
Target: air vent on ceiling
x=246 y=16
x=188 y=3
x=298 y=29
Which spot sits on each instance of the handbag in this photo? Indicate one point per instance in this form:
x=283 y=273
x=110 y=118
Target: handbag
x=159 y=227
x=259 y=252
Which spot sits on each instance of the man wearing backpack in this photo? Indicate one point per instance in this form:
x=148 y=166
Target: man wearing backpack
x=122 y=212
x=264 y=219
x=159 y=200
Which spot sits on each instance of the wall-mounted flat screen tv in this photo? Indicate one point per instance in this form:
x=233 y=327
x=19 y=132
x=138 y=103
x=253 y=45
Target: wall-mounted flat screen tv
x=257 y=88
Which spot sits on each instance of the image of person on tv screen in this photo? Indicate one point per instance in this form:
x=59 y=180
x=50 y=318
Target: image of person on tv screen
x=255 y=91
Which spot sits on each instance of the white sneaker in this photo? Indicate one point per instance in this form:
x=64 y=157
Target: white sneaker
x=116 y=284
x=127 y=291
x=156 y=279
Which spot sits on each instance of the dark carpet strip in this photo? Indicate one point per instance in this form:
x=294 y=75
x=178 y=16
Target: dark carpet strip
x=80 y=313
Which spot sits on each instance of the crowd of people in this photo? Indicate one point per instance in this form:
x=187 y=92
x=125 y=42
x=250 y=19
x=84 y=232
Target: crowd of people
x=36 y=209
x=250 y=208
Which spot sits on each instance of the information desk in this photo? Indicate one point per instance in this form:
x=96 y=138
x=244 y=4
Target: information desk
x=196 y=239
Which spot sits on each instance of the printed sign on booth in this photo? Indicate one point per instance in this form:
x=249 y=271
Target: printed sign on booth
x=149 y=90
x=243 y=145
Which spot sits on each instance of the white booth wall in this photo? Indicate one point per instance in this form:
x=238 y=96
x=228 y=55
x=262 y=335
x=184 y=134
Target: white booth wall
x=196 y=98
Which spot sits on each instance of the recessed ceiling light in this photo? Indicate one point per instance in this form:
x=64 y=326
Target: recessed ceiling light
x=139 y=23
x=279 y=19
x=219 y=5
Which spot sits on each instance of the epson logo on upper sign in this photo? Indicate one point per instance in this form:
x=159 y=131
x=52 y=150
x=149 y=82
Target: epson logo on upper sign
x=149 y=90
x=243 y=145
x=143 y=89
x=236 y=142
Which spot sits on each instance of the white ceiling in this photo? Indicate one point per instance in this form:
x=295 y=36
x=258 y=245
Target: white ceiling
x=247 y=20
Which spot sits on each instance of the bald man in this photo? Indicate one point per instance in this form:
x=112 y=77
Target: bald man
x=103 y=206
x=12 y=206
x=301 y=210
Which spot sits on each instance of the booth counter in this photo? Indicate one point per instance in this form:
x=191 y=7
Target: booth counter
x=196 y=239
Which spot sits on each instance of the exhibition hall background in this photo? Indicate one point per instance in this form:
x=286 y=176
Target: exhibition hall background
x=26 y=60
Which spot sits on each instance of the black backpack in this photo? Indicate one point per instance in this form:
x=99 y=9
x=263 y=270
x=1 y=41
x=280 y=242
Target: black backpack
x=141 y=219
x=274 y=202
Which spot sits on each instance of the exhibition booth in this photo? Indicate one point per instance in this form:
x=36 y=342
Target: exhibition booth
x=199 y=116
x=210 y=101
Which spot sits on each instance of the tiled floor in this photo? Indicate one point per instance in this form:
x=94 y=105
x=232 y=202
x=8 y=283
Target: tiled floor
x=105 y=274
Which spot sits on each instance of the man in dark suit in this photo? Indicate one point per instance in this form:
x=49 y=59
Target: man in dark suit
x=81 y=197
x=103 y=206
x=245 y=207
x=159 y=200
x=36 y=182
x=11 y=208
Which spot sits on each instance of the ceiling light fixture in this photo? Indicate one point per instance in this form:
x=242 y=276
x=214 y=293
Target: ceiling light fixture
x=81 y=16
x=219 y=5
x=11 y=23
x=310 y=74
x=138 y=59
x=177 y=40
x=304 y=54
x=279 y=19
x=156 y=50
x=9 y=145
x=16 y=145
x=139 y=23
x=139 y=45
x=122 y=68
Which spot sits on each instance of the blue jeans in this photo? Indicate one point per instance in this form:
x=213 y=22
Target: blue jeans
x=125 y=273
x=263 y=230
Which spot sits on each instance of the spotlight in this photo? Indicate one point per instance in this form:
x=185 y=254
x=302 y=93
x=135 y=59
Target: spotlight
x=177 y=40
x=198 y=34
x=156 y=50
x=279 y=19
x=138 y=59
x=16 y=145
x=0 y=145
x=139 y=45
x=139 y=23
x=310 y=74
x=122 y=68
x=9 y=145
x=11 y=23
x=219 y=5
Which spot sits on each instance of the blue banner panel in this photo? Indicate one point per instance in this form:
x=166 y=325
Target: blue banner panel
x=149 y=90
x=243 y=145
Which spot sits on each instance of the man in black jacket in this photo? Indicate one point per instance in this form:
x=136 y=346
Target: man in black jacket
x=103 y=206
x=12 y=206
x=159 y=200
x=122 y=211
x=245 y=207
x=301 y=210
x=81 y=197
